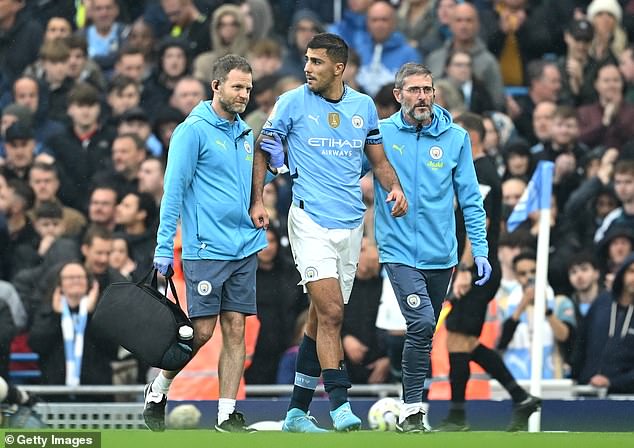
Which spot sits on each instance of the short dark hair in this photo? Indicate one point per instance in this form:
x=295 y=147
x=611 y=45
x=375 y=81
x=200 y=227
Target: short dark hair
x=472 y=122
x=225 y=64
x=120 y=82
x=624 y=166
x=410 y=69
x=23 y=190
x=148 y=205
x=46 y=167
x=585 y=257
x=526 y=254
x=336 y=48
x=48 y=210
x=140 y=144
x=77 y=41
x=95 y=231
x=83 y=94
x=128 y=50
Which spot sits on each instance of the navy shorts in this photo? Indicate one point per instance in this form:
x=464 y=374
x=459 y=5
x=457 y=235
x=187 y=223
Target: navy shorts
x=214 y=286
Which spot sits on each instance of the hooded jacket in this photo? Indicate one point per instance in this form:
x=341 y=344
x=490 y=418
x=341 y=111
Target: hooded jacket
x=606 y=345
x=293 y=62
x=433 y=164
x=208 y=184
x=203 y=64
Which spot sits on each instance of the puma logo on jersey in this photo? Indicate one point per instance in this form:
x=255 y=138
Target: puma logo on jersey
x=314 y=118
x=398 y=148
x=221 y=144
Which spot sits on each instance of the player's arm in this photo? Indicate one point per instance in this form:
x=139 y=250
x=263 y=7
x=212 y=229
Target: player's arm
x=385 y=174
x=258 y=213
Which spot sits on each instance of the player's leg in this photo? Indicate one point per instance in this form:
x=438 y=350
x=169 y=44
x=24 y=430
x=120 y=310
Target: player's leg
x=420 y=294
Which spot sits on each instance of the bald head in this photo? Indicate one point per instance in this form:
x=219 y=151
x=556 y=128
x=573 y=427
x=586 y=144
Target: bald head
x=381 y=21
x=465 y=23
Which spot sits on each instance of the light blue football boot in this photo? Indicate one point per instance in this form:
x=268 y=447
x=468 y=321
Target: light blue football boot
x=299 y=421
x=344 y=420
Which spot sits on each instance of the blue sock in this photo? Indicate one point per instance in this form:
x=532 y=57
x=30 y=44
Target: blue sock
x=307 y=371
x=336 y=383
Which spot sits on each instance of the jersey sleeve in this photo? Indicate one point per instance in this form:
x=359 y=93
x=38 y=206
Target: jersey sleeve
x=279 y=120
x=374 y=134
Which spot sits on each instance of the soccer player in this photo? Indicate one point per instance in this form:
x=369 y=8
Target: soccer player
x=327 y=126
x=208 y=183
x=466 y=319
x=432 y=157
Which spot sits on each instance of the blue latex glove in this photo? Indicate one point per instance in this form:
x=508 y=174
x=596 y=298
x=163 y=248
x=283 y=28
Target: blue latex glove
x=275 y=149
x=164 y=265
x=484 y=270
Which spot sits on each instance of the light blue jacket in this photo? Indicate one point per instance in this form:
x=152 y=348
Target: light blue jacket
x=433 y=164
x=208 y=183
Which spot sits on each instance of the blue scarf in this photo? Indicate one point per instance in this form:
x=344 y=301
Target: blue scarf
x=73 y=329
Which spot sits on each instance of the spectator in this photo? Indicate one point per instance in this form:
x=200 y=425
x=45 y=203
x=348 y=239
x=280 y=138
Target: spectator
x=626 y=66
x=84 y=146
x=130 y=62
x=605 y=347
x=189 y=23
x=80 y=67
x=264 y=93
x=265 y=58
x=173 y=64
x=350 y=72
x=165 y=121
x=136 y=121
x=119 y=259
x=57 y=28
x=124 y=93
x=21 y=41
x=19 y=146
x=44 y=180
x=150 y=176
x=188 y=92
x=96 y=247
x=128 y=151
x=136 y=216
x=518 y=160
x=102 y=207
x=71 y=353
x=544 y=85
x=609 y=37
x=416 y=20
x=583 y=273
x=105 y=35
x=49 y=226
x=26 y=92
x=459 y=70
x=520 y=34
x=304 y=25
x=577 y=68
x=386 y=104
x=142 y=37
x=384 y=51
x=518 y=320
x=612 y=250
x=543 y=116
x=607 y=121
x=353 y=25
x=55 y=56
x=465 y=25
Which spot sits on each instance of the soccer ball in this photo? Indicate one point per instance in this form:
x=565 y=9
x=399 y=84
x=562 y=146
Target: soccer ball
x=383 y=414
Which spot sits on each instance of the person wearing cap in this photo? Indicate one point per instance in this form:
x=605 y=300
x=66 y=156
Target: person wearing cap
x=136 y=121
x=14 y=113
x=20 y=150
x=609 y=37
x=577 y=67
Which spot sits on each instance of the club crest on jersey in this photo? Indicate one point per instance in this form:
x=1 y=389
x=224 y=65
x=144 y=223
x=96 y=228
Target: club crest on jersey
x=204 y=288
x=310 y=273
x=247 y=147
x=435 y=152
x=357 y=121
x=334 y=120
x=413 y=300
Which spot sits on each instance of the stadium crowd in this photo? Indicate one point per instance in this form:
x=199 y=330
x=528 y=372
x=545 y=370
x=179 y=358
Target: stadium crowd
x=91 y=91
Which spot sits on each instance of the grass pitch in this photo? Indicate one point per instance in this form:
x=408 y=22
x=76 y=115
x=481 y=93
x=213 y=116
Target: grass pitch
x=362 y=439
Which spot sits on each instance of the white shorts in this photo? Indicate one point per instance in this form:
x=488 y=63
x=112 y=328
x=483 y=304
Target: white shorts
x=324 y=253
